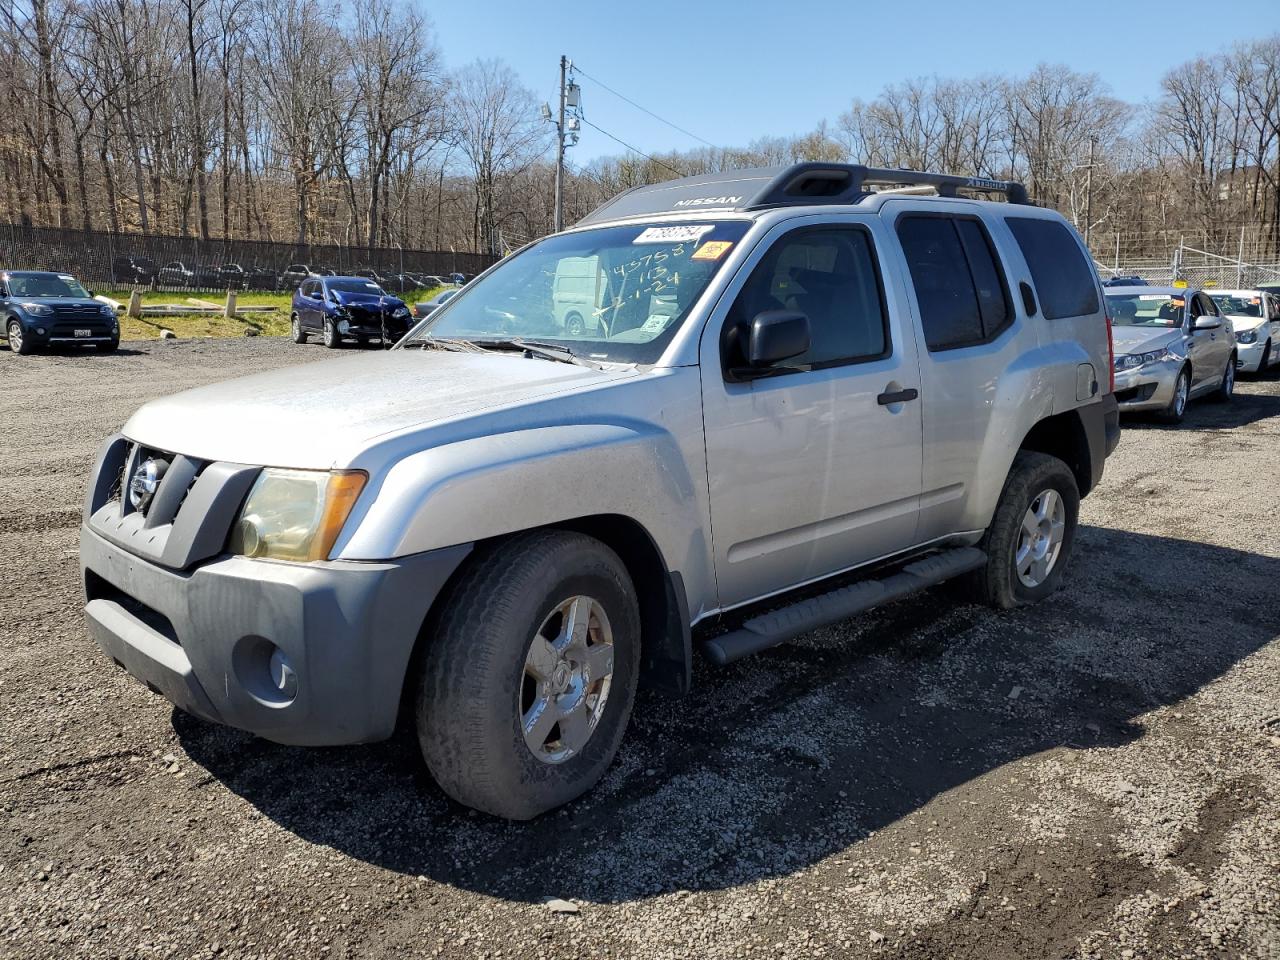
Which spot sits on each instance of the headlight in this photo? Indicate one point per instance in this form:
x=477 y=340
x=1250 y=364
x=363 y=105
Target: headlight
x=400 y=312
x=1130 y=361
x=108 y=310
x=37 y=309
x=295 y=514
x=1248 y=336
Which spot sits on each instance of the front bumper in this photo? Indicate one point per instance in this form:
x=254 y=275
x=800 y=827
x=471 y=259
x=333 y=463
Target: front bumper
x=1249 y=356
x=204 y=637
x=1149 y=387
x=363 y=324
x=59 y=331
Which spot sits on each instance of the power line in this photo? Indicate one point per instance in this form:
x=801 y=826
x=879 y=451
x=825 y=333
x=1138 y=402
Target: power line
x=578 y=69
x=624 y=143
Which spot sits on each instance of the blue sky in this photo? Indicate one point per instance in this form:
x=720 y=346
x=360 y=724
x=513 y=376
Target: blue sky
x=729 y=72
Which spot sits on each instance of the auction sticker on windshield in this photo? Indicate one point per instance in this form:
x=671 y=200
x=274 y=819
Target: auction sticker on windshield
x=681 y=234
x=712 y=250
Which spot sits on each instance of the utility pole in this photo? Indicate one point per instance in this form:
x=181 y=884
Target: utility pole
x=1088 y=196
x=558 y=221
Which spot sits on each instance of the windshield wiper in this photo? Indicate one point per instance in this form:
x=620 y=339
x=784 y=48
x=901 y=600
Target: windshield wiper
x=543 y=351
x=445 y=343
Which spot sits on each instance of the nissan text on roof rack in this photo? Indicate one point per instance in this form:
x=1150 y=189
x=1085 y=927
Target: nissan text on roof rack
x=508 y=522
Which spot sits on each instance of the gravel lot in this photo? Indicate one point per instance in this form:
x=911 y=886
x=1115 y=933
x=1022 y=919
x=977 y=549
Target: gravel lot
x=1098 y=776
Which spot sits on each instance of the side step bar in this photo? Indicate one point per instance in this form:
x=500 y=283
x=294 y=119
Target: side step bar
x=787 y=623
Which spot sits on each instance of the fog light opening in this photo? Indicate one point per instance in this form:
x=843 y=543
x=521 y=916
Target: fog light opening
x=282 y=675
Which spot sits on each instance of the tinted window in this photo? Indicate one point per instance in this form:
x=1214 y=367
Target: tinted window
x=945 y=290
x=993 y=304
x=308 y=289
x=1063 y=278
x=829 y=274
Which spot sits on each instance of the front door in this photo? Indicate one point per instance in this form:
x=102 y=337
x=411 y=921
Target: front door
x=1207 y=349
x=816 y=468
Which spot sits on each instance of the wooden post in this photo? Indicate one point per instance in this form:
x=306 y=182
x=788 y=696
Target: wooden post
x=135 y=304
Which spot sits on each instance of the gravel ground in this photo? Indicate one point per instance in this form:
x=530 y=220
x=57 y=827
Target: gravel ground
x=1098 y=776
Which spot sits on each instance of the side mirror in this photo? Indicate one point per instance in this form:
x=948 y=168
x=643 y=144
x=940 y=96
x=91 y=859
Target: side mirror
x=777 y=335
x=1206 y=323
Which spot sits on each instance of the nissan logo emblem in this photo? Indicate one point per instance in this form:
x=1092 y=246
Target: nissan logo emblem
x=145 y=481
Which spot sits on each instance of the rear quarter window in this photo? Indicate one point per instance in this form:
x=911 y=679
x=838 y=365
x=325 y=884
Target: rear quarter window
x=1065 y=281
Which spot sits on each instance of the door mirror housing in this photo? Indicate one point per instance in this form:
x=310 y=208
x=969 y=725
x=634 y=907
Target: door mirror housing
x=1206 y=322
x=776 y=335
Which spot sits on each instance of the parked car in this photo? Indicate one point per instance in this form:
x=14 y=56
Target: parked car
x=439 y=300
x=1124 y=282
x=261 y=278
x=341 y=308
x=1171 y=346
x=369 y=273
x=44 y=309
x=1255 y=318
x=130 y=269
x=458 y=278
x=293 y=275
x=232 y=276
x=174 y=274
x=861 y=394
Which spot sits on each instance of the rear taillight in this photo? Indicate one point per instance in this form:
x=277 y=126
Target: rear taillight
x=1111 y=355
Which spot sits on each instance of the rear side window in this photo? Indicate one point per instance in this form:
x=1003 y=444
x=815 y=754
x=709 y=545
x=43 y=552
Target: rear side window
x=1063 y=278
x=830 y=275
x=960 y=288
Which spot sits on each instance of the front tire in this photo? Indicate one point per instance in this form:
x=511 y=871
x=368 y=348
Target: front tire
x=530 y=676
x=330 y=335
x=18 y=340
x=1177 y=407
x=1228 y=385
x=1029 y=541
x=109 y=347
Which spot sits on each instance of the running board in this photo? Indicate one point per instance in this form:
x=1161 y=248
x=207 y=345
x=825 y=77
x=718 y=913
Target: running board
x=787 y=623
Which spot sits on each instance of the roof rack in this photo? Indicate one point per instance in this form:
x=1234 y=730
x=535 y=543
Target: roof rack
x=802 y=184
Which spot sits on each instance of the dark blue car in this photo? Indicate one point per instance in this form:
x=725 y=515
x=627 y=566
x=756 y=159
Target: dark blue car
x=42 y=309
x=346 y=308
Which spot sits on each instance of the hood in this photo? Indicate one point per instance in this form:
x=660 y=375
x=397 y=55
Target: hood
x=321 y=415
x=60 y=301
x=1143 y=339
x=346 y=297
x=1240 y=324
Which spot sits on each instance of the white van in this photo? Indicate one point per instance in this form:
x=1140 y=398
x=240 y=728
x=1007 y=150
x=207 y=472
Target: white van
x=576 y=295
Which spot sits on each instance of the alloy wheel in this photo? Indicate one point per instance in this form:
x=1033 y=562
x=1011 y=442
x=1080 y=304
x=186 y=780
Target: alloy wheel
x=15 y=336
x=1040 y=538
x=567 y=675
x=1181 y=391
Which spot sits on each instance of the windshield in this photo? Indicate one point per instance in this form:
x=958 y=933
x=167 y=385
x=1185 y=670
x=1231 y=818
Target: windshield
x=1146 y=309
x=1238 y=306
x=46 y=285
x=617 y=293
x=355 y=286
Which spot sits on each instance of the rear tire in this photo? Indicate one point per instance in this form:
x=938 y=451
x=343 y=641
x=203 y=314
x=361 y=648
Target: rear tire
x=296 y=333
x=481 y=701
x=573 y=325
x=1039 y=488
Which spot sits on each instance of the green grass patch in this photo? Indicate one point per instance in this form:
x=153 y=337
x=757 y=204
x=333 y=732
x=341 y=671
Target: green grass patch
x=195 y=325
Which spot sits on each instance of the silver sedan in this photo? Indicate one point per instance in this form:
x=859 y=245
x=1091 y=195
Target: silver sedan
x=1171 y=345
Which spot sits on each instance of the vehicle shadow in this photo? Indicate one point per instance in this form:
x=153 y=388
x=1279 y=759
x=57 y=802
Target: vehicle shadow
x=781 y=760
x=1245 y=408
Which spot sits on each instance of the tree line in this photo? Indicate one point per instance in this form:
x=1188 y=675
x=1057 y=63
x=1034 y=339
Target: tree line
x=307 y=122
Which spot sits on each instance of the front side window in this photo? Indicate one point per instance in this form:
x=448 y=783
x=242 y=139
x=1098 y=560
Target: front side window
x=615 y=294
x=829 y=274
x=1146 y=309
x=960 y=288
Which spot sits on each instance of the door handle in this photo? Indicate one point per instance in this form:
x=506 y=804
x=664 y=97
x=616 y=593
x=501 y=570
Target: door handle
x=898 y=396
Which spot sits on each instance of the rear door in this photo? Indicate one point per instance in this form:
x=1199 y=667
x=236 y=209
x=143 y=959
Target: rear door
x=308 y=306
x=966 y=318
x=812 y=470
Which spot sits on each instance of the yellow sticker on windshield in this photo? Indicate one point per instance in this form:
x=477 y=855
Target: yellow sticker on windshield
x=712 y=250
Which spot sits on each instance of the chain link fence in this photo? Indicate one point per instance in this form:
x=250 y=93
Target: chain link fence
x=105 y=260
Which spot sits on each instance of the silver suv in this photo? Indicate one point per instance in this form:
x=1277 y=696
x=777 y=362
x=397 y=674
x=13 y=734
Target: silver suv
x=786 y=397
